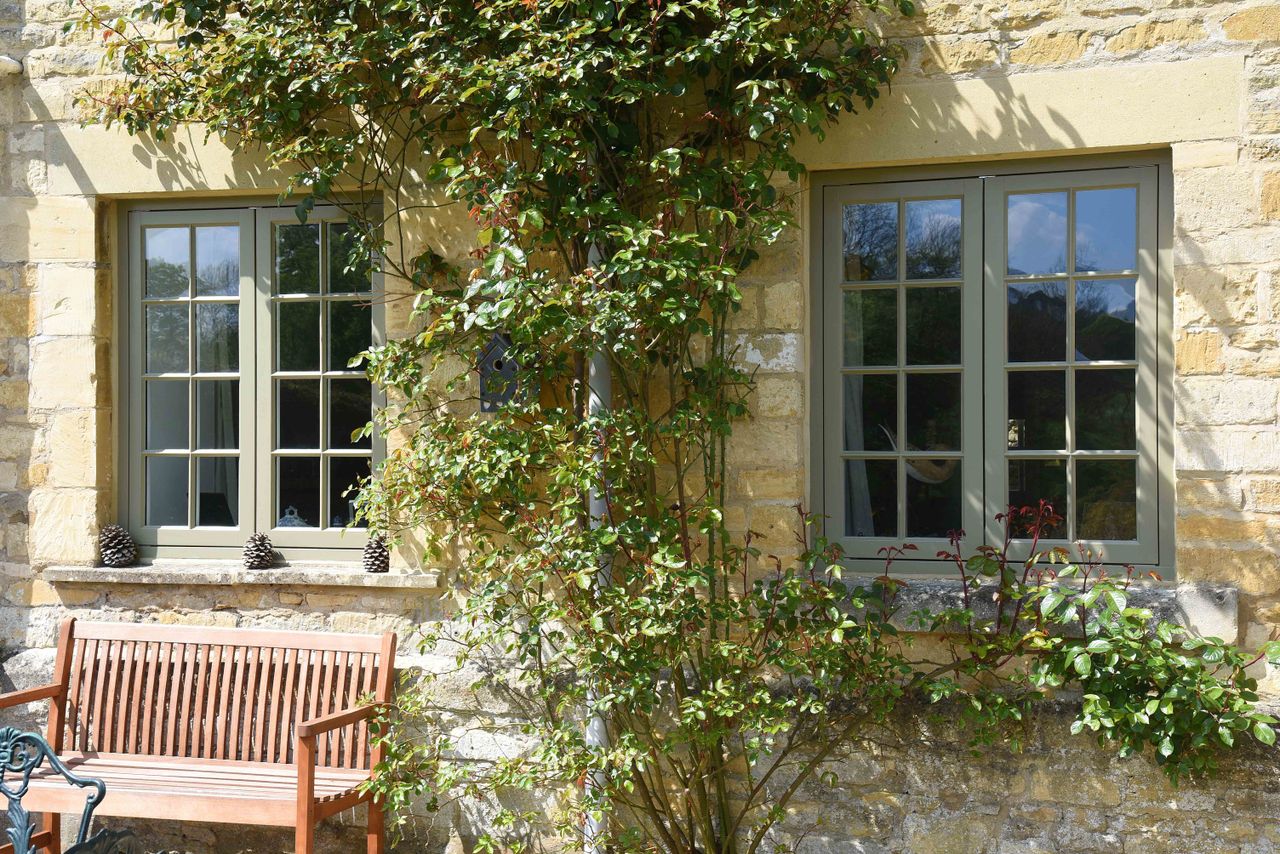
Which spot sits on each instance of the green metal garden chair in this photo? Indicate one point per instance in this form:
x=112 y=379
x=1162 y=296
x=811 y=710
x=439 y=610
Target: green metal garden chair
x=22 y=754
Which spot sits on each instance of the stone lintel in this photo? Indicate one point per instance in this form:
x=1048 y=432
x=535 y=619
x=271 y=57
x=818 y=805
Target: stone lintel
x=214 y=573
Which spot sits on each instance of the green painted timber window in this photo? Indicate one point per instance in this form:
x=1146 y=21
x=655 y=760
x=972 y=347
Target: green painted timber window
x=238 y=389
x=989 y=341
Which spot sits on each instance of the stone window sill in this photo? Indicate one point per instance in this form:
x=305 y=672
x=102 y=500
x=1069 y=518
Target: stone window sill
x=214 y=573
x=1208 y=610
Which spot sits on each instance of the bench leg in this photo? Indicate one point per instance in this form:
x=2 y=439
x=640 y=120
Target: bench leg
x=305 y=838
x=376 y=834
x=52 y=823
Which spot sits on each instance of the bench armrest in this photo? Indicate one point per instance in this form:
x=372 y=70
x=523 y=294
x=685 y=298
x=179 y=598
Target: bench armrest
x=325 y=723
x=30 y=695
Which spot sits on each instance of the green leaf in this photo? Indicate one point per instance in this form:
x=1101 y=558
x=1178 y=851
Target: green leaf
x=1264 y=733
x=1050 y=603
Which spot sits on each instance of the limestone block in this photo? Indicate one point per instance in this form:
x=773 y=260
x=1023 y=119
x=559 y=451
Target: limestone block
x=1226 y=400
x=956 y=834
x=779 y=527
x=74 y=448
x=64 y=373
x=1200 y=155
x=784 y=306
x=1212 y=494
x=64 y=61
x=1050 y=48
x=779 y=396
x=1215 y=199
x=66 y=300
x=44 y=593
x=1263 y=494
x=777 y=441
x=1146 y=35
x=1271 y=195
x=1198 y=353
x=64 y=526
x=1255 y=571
x=48 y=229
x=1261 y=23
x=1219 y=529
x=1222 y=295
x=958 y=56
x=1257 y=245
x=13 y=394
x=772 y=484
x=770 y=352
x=1069 y=785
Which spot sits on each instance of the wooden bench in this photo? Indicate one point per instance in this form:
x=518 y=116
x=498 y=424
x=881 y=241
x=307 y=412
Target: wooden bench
x=223 y=725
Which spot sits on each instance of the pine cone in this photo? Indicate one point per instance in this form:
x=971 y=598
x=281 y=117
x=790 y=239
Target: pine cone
x=377 y=557
x=117 y=547
x=258 y=552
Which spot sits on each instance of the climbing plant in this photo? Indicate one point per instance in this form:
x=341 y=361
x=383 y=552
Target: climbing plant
x=613 y=166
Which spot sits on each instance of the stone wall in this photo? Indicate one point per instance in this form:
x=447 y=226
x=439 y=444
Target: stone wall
x=1059 y=795
x=983 y=79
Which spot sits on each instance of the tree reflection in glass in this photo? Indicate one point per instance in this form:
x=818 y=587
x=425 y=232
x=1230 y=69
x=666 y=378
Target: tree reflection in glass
x=933 y=239
x=871 y=242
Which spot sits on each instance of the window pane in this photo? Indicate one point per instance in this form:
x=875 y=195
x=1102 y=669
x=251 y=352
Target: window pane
x=298 y=492
x=1030 y=481
x=217 y=414
x=298 y=420
x=870 y=412
x=1107 y=494
x=167 y=347
x=871 y=242
x=871 y=498
x=1106 y=410
x=168 y=265
x=934 y=497
x=871 y=327
x=1037 y=234
x=933 y=239
x=933 y=326
x=350 y=332
x=342 y=280
x=298 y=259
x=1037 y=410
x=167 y=415
x=344 y=474
x=217 y=338
x=218 y=501
x=1037 y=322
x=1106 y=320
x=167 y=491
x=217 y=261
x=350 y=408
x=933 y=412
x=1107 y=229
x=298 y=329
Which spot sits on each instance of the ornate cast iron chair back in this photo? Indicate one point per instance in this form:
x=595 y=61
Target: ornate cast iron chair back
x=21 y=755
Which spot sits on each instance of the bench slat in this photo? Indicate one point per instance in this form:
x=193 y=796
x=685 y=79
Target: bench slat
x=229 y=637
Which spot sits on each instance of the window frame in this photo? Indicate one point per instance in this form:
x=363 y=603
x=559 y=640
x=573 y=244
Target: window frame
x=255 y=217
x=834 y=200
x=1156 y=487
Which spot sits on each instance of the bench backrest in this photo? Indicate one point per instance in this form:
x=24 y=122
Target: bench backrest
x=235 y=694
